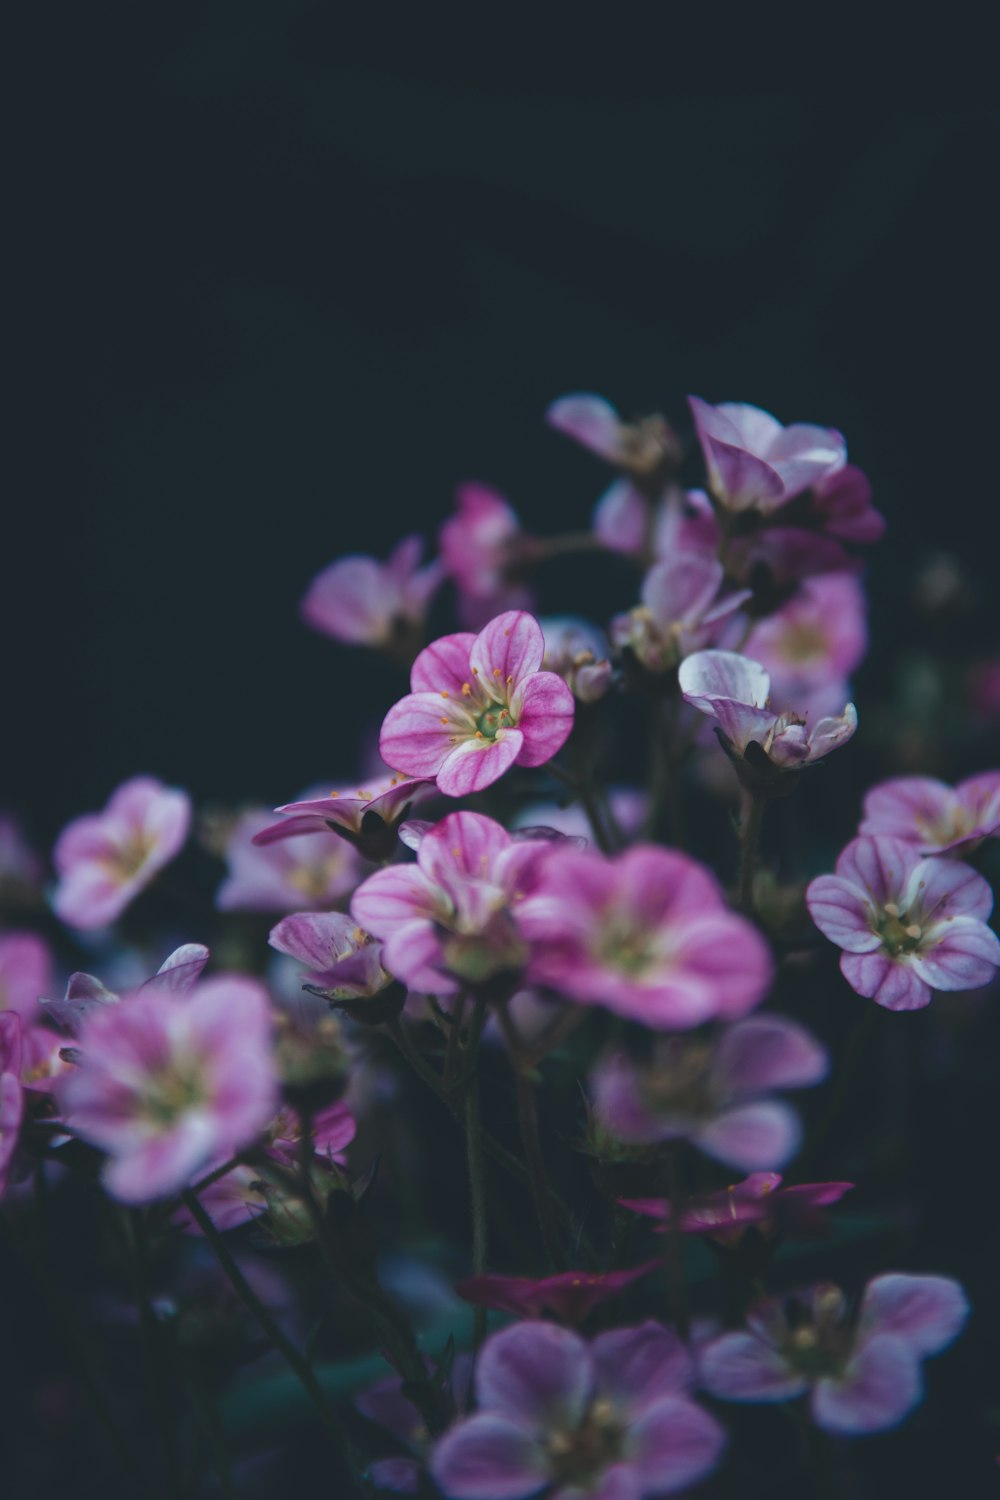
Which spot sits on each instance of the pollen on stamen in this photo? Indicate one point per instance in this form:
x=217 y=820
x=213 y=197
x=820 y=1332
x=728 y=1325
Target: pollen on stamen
x=891 y=908
x=912 y=931
x=466 y=689
x=334 y=794
x=509 y=677
x=444 y=718
x=475 y=671
x=444 y=692
x=480 y=735
x=497 y=672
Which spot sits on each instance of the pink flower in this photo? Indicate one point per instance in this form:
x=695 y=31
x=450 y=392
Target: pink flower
x=105 y=859
x=26 y=973
x=932 y=816
x=11 y=1094
x=483 y=548
x=578 y=653
x=479 y=705
x=812 y=644
x=276 y=875
x=339 y=956
x=754 y=463
x=759 y=1200
x=446 y=921
x=646 y=934
x=170 y=1082
x=714 y=1092
x=862 y=1374
x=682 y=610
x=367 y=603
x=907 y=925
x=367 y=816
x=568 y=1296
x=645 y=448
x=177 y=974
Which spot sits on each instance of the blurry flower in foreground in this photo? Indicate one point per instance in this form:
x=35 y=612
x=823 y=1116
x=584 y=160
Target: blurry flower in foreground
x=934 y=817
x=11 y=1095
x=712 y=1092
x=480 y=704
x=169 y=1082
x=568 y=1296
x=647 y=934
x=812 y=644
x=105 y=859
x=482 y=548
x=754 y=463
x=863 y=1374
x=368 y=603
x=367 y=816
x=907 y=925
x=25 y=972
x=277 y=875
x=759 y=1200
x=610 y=1418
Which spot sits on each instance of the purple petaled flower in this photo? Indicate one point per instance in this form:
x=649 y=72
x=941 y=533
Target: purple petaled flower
x=105 y=859
x=339 y=956
x=578 y=653
x=611 y=1418
x=907 y=925
x=367 y=816
x=446 y=921
x=813 y=643
x=168 y=1082
x=646 y=448
x=368 y=603
x=734 y=692
x=25 y=973
x=568 y=1296
x=11 y=1093
x=932 y=816
x=841 y=505
x=483 y=547
x=647 y=934
x=863 y=1373
x=274 y=875
x=714 y=1092
x=759 y=1200
x=754 y=463
x=480 y=704
x=682 y=610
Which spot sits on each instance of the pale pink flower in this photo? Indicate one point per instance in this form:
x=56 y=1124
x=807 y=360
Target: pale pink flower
x=366 y=815
x=934 y=817
x=578 y=653
x=811 y=645
x=279 y=875
x=368 y=603
x=483 y=548
x=754 y=463
x=682 y=610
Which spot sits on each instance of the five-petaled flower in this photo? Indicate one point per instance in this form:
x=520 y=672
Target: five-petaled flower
x=934 y=817
x=479 y=705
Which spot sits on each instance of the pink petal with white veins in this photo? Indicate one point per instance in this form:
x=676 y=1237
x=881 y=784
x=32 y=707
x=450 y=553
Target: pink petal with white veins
x=881 y=866
x=391 y=898
x=710 y=675
x=908 y=807
x=463 y=846
x=543 y=708
x=939 y=889
x=892 y=984
x=476 y=764
x=443 y=666
x=767 y=1052
x=926 y=1312
x=417 y=733
x=966 y=956
x=842 y=911
x=506 y=650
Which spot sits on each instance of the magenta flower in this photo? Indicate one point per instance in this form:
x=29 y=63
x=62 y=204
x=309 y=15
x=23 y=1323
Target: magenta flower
x=366 y=816
x=275 y=875
x=841 y=505
x=647 y=934
x=812 y=644
x=479 y=705
x=932 y=816
x=483 y=549
x=714 y=1092
x=682 y=610
x=862 y=1374
x=26 y=973
x=105 y=859
x=368 y=603
x=907 y=925
x=754 y=463
x=338 y=955
x=611 y=1418
x=446 y=921
x=169 y=1082
x=735 y=692
x=568 y=1296
x=11 y=1093
x=759 y=1200
x=578 y=653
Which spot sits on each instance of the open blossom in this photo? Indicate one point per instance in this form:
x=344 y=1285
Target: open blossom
x=479 y=705
x=754 y=463
x=367 y=816
x=25 y=972
x=811 y=645
x=907 y=925
x=862 y=1373
x=368 y=603
x=682 y=609
x=105 y=859
x=568 y=1296
x=578 y=652
x=11 y=1093
x=932 y=816
x=482 y=546
x=759 y=1200
x=447 y=920
x=276 y=875
x=168 y=1082
x=646 y=934
x=714 y=1092
x=338 y=955
x=735 y=693
x=612 y=1417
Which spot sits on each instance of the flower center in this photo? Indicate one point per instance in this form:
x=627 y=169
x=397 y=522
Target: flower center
x=172 y=1092
x=678 y=1083
x=492 y=719
x=804 y=641
x=899 y=933
x=581 y=1456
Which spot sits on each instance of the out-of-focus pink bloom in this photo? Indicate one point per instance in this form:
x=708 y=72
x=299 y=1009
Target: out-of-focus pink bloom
x=612 y=1418
x=759 y=1200
x=177 y=974
x=26 y=973
x=840 y=504
x=682 y=610
x=568 y=1297
x=714 y=1092
x=754 y=463
x=578 y=653
x=480 y=704
x=646 y=448
x=735 y=693
x=276 y=875
x=368 y=603
x=338 y=955
x=11 y=1094
x=483 y=547
x=907 y=925
x=169 y=1082
x=862 y=1374
x=932 y=816
x=367 y=816
x=447 y=921
x=811 y=645
x=105 y=859
x=647 y=934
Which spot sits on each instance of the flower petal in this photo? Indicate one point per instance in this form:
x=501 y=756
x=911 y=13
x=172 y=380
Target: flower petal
x=509 y=648
x=589 y=420
x=926 y=1312
x=673 y=1444
x=742 y=1367
x=418 y=733
x=635 y=1367
x=842 y=911
x=443 y=666
x=489 y=1457
x=877 y=1389
x=535 y=1374
x=756 y=1137
x=476 y=764
x=543 y=708
x=767 y=1052
x=890 y=983
x=967 y=956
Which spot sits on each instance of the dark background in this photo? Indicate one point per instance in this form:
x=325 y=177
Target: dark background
x=277 y=291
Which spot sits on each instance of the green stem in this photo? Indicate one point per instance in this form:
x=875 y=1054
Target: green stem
x=753 y=815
